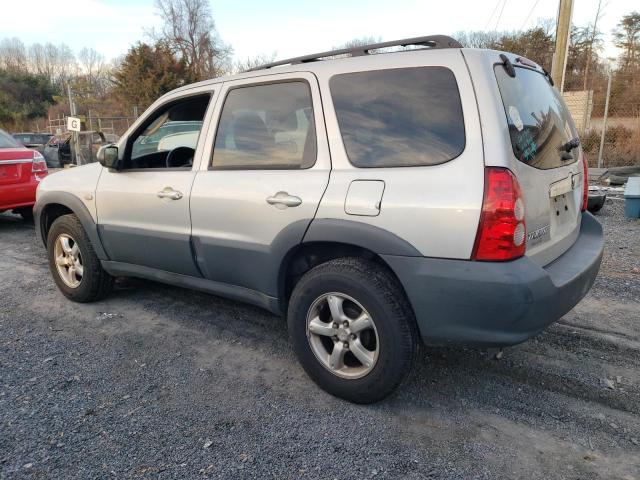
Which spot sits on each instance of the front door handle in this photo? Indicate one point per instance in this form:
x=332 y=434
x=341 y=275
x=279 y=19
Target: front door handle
x=168 y=192
x=282 y=200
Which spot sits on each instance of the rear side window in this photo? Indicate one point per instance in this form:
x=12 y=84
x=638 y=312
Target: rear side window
x=267 y=126
x=539 y=122
x=399 y=117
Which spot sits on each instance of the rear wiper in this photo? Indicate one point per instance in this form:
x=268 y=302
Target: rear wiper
x=570 y=145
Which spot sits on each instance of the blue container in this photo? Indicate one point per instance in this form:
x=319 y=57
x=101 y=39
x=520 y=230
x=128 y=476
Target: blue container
x=632 y=198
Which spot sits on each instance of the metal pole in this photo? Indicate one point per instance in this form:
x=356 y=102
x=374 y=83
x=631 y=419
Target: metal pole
x=604 y=123
x=75 y=138
x=563 y=31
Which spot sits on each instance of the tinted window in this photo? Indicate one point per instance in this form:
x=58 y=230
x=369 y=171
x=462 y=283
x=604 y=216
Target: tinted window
x=266 y=127
x=539 y=122
x=7 y=141
x=399 y=117
x=32 y=139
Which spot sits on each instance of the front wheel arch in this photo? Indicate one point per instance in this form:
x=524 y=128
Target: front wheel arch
x=51 y=205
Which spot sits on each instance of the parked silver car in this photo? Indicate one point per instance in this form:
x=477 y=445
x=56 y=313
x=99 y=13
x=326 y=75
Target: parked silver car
x=377 y=200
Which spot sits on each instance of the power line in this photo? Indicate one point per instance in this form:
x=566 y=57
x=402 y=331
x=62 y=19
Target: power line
x=500 y=16
x=535 y=4
x=492 y=14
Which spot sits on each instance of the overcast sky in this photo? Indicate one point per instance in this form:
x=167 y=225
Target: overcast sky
x=286 y=27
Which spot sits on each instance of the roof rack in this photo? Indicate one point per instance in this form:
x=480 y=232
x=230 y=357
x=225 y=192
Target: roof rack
x=431 y=41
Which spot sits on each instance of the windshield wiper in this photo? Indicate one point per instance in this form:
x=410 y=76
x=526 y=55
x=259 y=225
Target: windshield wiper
x=570 y=145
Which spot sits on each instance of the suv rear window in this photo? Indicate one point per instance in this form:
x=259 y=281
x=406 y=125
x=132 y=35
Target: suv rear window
x=539 y=122
x=399 y=117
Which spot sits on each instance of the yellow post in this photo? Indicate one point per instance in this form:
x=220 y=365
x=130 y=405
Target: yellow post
x=563 y=32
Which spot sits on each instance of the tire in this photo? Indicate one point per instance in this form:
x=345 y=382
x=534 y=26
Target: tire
x=94 y=283
x=26 y=213
x=365 y=285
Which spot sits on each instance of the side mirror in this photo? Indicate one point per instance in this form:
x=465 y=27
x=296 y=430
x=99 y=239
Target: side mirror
x=108 y=156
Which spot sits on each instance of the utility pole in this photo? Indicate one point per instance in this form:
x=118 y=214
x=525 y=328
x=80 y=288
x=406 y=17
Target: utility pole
x=563 y=32
x=75 y=137
x=604 y=122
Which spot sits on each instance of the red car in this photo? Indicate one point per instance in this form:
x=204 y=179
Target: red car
x=21 y=170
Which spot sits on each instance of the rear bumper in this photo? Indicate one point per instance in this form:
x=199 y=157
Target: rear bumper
x=18 y=195
x=494 y=303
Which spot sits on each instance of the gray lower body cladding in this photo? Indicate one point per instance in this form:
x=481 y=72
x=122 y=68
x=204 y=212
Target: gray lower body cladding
x=498 y=303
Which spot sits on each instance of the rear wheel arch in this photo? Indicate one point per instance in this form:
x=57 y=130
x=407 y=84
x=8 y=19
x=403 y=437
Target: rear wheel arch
x=327 y=239
x=305 y=256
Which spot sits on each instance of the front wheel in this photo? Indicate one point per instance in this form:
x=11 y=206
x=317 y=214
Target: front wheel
x=352 y=329
x=74 y=264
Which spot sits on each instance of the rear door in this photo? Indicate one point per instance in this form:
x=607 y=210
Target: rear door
x=262 y=178
x=547 y=168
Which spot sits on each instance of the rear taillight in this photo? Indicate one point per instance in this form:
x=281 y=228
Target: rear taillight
x=585 y=183
x=501 y=232
x=39 y=164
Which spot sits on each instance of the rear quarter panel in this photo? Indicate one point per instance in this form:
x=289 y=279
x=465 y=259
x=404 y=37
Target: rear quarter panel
x=434 y=208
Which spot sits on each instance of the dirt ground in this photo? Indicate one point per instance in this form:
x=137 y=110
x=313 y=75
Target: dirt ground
x=160 y=382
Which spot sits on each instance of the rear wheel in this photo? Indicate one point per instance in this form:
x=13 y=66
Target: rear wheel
x=352 y=329
x=73 y=263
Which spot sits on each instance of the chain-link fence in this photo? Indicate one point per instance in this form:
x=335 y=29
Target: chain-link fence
x=608 y=120
x=113 y=127
x=79 y=148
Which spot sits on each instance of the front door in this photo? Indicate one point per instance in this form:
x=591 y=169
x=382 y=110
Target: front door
x=262 y=178
x=143 y=209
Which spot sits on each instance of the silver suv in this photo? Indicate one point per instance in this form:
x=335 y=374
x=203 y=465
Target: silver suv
x=377 y=199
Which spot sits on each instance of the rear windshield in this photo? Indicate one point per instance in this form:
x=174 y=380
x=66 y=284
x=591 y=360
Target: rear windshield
x=399 y=117
x=539 y=122
x=7 y=141
x=31 y=138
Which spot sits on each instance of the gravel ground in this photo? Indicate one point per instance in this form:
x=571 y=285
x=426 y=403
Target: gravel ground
x=160 y=382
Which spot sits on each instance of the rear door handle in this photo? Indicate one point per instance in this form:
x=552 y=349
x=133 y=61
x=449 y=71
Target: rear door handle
x=168 y=192
x=283 y=200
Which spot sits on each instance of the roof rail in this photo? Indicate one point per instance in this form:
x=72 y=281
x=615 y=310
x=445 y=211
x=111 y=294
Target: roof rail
x=431 y=41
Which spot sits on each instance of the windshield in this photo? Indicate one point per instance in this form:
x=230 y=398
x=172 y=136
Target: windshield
x=539 y=122
x=7 y=141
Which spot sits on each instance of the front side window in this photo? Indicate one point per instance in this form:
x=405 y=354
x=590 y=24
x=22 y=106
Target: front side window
x=169 y=139
x=399 y=117
x=266 y=127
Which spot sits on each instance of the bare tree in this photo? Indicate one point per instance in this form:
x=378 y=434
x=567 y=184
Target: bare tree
x=13 y=55
x=190 y=32
x=93 y=66
x=357 y=42
x=253 y=62
x=592 y=42
x=478 y=39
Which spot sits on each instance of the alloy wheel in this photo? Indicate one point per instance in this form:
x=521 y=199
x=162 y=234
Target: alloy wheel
x=342 y=335
x=68 y=260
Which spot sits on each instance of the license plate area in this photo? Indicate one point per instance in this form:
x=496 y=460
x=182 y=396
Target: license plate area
x=561 y=187
x=10 y=171
x=563 y=214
